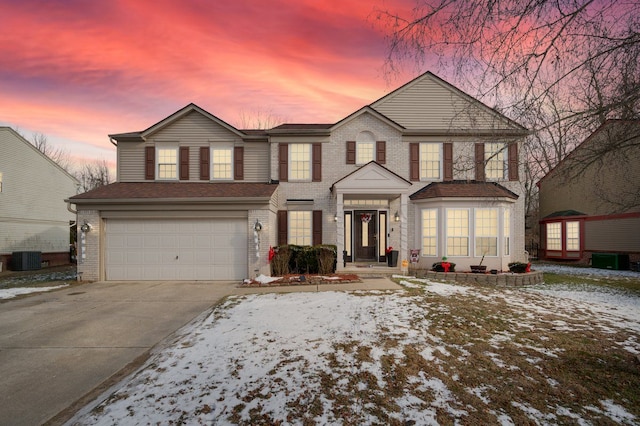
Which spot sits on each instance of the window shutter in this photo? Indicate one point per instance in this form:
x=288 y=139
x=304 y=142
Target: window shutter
x=283 y=159
x=184 y=163
x=351 y=152
x=238 y=163
x=447 y=154
x=204 y=163
x=479 y=162
x=317 y=227
x=150 y=163
x=381 y=152
x=282 y=228
x=316 y=160
x=513 y=161
x=414 y=161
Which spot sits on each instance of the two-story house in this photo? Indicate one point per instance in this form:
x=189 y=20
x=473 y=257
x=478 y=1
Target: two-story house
x=590 y=202
x=426 y=167
x=33 y=216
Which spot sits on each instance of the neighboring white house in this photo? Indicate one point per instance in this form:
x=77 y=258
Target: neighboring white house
x=426 y=167
x=33 y=214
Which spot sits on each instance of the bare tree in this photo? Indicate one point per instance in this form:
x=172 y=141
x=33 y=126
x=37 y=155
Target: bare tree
x=93 y=175
x=59 y=155
x=260 y=119
x=559 y=67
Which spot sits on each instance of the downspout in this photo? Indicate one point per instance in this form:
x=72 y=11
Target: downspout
x=69 y=207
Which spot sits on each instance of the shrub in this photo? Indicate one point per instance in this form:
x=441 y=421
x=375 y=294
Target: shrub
x=519 y=267
x=294 y=259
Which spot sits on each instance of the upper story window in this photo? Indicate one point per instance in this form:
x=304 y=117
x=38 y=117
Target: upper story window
x=365 y=147
x=167 y=162
x=299 y=161
x=430 y=161
x=221 y=163
x=495 y=157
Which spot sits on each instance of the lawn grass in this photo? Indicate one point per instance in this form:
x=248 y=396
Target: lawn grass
x=628 y=283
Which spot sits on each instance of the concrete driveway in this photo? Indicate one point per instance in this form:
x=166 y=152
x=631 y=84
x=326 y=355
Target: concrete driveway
x=59 y=350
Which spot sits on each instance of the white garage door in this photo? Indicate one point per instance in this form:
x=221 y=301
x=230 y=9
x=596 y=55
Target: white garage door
x=176 y=249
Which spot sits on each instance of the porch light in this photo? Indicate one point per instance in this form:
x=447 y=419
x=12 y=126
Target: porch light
x=335 y=218
x=86 y=227
x=257 y=226
x=396 y=217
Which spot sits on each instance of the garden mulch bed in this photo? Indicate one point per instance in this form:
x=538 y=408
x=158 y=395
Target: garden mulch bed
x=304 y=279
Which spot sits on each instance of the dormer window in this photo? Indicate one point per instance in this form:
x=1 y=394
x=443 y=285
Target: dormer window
x=167 y=162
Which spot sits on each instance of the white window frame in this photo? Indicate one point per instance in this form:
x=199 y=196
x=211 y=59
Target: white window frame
x=160 y=147
x=486 y=220
x=553 y=239
x=424 y=161
x=506 y=218
x=460 y=234
x=572 y=236
x=495 y=154
x=299 y=224
x=299 y=169
x=365 y=147
x=215 y=170
x=429 y=228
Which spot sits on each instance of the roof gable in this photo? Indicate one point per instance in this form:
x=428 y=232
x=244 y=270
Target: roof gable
x=182 y=113
x=371 y=178
x=429 y=102
x=367 y=110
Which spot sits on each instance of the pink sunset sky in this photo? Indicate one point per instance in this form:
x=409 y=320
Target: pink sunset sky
x=78 y=70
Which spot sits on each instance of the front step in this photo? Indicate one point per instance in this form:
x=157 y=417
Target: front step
x=370 y=269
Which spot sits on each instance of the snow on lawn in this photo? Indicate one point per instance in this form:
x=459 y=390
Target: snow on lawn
x=376 y=357
x=10 y=293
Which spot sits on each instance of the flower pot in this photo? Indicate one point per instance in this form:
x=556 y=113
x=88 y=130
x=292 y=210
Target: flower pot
x=392 y=258
x=478 y=269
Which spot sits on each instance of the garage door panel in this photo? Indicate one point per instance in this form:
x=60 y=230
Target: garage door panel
x=206 y=249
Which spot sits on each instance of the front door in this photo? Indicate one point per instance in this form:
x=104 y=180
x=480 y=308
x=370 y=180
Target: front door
x=365 y=228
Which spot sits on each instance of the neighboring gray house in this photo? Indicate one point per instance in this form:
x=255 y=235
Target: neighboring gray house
x=33 y=215
x=426 y=167
x=590 y=202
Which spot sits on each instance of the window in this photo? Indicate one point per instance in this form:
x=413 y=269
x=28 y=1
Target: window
x=573 y=236
x=494 y=154
x=167 y=160
x=299 y=228
x=457 y=232
x=429 y=232
x=365 y=147
x=507 y=231
x=554 y=236
x=299 y=161
x=430 y=161
x=0 y=181
x=221 y=162
x=486 y=232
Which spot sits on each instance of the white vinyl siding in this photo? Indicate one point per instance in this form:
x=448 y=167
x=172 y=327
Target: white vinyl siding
x=430 y=232
x=299 y=232
x=457 y=227
x=486 y=232
x=430 y=161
